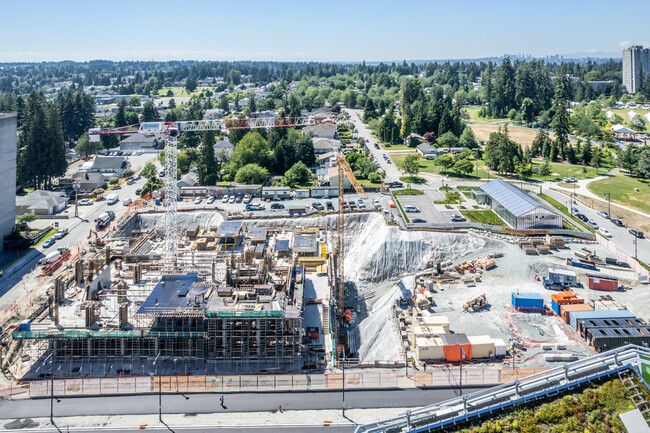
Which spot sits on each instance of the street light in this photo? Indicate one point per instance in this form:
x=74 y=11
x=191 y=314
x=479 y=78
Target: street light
x=609 y=203
x=76 y=200
x=462 y=356
x=635 y=249
x=159 y=388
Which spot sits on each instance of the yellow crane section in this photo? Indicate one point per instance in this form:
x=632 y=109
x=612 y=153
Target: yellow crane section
x=347 y=170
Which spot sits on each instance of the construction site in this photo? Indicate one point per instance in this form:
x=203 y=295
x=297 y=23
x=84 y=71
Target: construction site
x=198 y=292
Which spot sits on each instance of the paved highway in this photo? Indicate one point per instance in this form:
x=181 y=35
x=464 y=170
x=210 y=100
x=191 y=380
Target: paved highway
x=239 y=402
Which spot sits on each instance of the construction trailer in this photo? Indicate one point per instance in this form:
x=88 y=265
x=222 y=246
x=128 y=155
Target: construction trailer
x=560 y=278
x=527 y=301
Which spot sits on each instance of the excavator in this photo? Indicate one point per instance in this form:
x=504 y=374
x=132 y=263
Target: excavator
x=98 y=241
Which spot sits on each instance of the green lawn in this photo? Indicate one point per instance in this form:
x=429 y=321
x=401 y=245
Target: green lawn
x=562 y=208
x=399 y=205
x=483 y=217
x=428 y=166
x=561 y=170
x=366 y=182
x=451 y=198
x=624 y=191
x=408 y=192
x=178 y=91
x=412 y=179
x=387 y=146
x=473 y=116
x=466 y=188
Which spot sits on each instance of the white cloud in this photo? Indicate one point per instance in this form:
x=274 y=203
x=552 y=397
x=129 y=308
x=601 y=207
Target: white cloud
x=624 y=44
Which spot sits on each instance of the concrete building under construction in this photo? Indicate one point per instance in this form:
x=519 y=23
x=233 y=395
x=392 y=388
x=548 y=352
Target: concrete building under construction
x=234 y=304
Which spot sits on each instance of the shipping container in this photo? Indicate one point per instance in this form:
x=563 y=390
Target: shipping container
x=430 y=349
x=585 y=324
x=482 y=346
x=567 y=309
x=578 y=264
x=500 y=347
x=602 y=339
x=456 y=347
x=602 y=282
x=566 y=297
x=527 y=300
x=596 y=314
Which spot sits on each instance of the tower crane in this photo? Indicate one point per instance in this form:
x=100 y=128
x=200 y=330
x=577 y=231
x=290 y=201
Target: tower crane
x=172 y=130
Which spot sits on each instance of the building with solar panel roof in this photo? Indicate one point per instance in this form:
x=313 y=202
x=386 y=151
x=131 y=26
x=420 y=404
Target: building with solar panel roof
x=516 y=207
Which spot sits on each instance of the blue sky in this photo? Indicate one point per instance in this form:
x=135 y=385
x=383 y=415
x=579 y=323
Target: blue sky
x=39 y=30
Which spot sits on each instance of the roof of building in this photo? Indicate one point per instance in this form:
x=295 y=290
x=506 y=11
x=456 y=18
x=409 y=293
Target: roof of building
x=276 y=189
x=223 y=144
x=257 y=234
x=265 y=113
x=173 y=291
x=41 y=199
x=561 y=272
x=324 y=130
x=426 y=148
x=190 y=179
x=140 y=138
x=620 y=129
x=327 y=144
x=516 y=201
x=281 y=245
x=325 y=155
x=454 y=339
x=229 y=229
x=84 y=176
x=304 y=243
x=109 y=162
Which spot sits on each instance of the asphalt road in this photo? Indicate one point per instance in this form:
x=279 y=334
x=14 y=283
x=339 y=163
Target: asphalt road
x=200 y=429
x=11 y=283
x=240 y=402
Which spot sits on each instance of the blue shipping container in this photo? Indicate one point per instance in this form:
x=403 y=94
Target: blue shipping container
x=578 y=264
x=598 y=314
x=555 y=307
x=527 y=300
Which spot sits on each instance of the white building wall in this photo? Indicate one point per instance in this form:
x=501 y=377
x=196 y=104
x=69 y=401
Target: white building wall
x=8 y=139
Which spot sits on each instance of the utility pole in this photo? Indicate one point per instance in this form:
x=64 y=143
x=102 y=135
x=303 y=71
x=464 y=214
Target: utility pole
x=159 y=388
x=462 y=356
x=51 y=387
x=635 y=247
x=76 y=200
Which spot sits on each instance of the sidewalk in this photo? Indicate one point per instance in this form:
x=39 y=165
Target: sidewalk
x=306 y=418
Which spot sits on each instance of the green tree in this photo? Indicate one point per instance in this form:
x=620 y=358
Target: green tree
x=411 y=165
x=463 y=166
x=467 y=139
x=148 y=170
x=149 y=112
x=251 y=174
x=545 y=169
x=252 y=149
x=445 y=161
x=596 y=159
x=22 y=221
x=86 y=147
x=527 y=110
x=208 y=168
x=235 y=77
x=190 y=84
x=120 y=116
x=171 y=104
x=297 y=174
x=561 y=126
x=643 y=163
x=448 y=140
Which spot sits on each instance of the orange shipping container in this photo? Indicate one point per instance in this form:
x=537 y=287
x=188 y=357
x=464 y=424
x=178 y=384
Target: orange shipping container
x=456 y=346
x=567 y=309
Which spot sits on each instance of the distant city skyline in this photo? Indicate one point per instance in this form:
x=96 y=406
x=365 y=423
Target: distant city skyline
x=340 y=31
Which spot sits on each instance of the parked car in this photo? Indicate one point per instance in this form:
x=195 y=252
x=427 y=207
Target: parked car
x=253 y=207
x=418 y=220
x=617 y=222
x=570 y=179
x=603 y=231
x=60 y=234
x=211 y=199
x=138 y=191
x=457 y=218
x=137 y=177
x=361 y=204
x=318 y=206
x=232 y=199
x=575 y=210
x=636 y=233
x=225 y=198
x=130 y=181
x=353 y=204
x=85 y=202
x=277 y=206
x=48 y=243
x=582 y=217
x=593 y=224
x=198 y=200
x=329 y=205
x=376 y=203
x=411 y=208
x=603 y=214
x=248 y=198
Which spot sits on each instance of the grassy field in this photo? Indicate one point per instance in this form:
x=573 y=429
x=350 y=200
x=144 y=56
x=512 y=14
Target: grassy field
x=561 y=170
x=483 y=217
x=519 y=134
x=366 y=182
x=427 y=166
x=412 y=179
x=406 y=191
x=626 y=190
x=451 y=198
x=568 y=217
x=179 y=91
x=473 y=116
x=387 y=146
x=626 y=119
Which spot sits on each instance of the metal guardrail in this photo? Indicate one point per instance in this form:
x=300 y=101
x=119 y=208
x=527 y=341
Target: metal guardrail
x=548 y=383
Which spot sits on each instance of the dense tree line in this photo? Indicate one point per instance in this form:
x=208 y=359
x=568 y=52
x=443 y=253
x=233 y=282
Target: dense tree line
x=41 y=145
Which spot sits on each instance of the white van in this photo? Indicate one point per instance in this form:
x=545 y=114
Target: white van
x=112 y=198
x=127 y=201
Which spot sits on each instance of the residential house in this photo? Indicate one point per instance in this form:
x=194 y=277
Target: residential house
x=140 y=141
x=114 y=165
x=326 y=159
x=41 y=202
x=224 y=146
x=190 y=179
x=325 y=145
x=425 y=149
x=88 y=181
x=326 y=130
